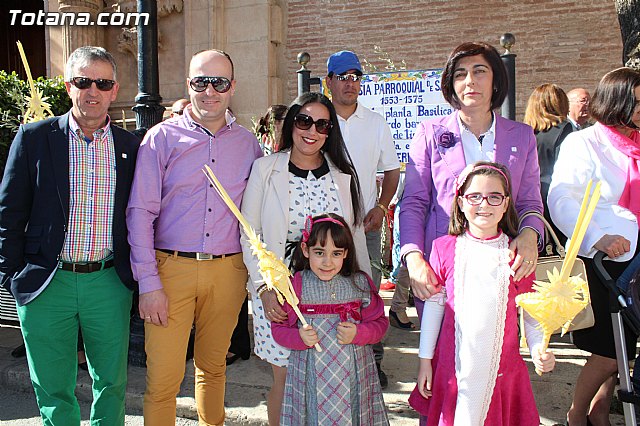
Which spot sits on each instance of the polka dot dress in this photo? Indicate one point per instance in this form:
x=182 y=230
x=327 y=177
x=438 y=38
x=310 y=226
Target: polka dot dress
x=309 y=195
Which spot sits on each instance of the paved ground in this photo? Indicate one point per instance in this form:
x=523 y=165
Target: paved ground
x=248 y=382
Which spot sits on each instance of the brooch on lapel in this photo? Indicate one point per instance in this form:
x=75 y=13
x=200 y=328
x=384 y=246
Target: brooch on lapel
x=445 y=138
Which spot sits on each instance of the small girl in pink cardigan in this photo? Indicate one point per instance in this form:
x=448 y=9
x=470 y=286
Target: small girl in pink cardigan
x=340 y=384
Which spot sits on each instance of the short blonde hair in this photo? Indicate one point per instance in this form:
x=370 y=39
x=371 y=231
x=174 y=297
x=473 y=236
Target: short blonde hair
x=548 y=106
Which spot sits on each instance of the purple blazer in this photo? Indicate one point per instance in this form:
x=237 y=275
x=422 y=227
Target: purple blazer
x=433 y=168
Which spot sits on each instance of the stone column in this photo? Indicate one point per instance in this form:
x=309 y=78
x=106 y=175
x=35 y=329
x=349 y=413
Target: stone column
x=74 y=36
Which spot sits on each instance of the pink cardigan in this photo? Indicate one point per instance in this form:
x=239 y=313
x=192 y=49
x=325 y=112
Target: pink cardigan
x=371 y=328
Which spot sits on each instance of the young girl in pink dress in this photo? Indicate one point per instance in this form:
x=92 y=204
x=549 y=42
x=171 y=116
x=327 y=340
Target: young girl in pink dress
x=338 y=386
x=471 y=371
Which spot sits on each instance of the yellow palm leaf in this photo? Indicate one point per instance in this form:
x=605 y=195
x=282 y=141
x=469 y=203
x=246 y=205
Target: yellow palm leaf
x=556 y=302
x=273 y=270
x=37 y=106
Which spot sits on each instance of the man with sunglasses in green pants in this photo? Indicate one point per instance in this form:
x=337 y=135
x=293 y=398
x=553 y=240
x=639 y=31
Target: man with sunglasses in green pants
x=371 y=147
x=185 y=242
x=63 y=247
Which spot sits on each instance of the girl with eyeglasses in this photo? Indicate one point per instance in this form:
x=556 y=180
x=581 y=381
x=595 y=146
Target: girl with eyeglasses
x=471 y=371
x=311 y=174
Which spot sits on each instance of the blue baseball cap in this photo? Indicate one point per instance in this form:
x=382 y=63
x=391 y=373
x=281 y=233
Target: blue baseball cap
x=343 y=61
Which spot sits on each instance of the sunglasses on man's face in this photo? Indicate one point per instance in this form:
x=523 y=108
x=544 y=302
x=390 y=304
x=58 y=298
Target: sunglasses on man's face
x=219 y=84
x=304 y=122
x=347 y=77
x=83 y=83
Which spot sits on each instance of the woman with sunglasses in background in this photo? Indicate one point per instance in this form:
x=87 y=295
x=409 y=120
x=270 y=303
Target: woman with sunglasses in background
x=474 y=82
x=312 y=174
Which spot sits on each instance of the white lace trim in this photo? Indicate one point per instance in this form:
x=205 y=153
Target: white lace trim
x=481 y=294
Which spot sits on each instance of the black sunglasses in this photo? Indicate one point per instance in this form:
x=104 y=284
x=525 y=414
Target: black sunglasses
x=347 y=77
x=304 y=122
x=219 y=84
x=83 y=83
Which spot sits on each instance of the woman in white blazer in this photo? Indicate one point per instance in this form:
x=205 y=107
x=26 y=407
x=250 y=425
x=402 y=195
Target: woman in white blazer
x=311 y=174
x=608 y=152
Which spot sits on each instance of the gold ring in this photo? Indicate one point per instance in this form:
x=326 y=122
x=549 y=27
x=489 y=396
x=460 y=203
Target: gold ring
x=530 y=262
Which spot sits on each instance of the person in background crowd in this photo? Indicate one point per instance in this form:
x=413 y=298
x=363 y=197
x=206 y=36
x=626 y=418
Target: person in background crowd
x=185 y=242
x=474 y=82
x=240 y=345
x=63 y=248
x=178 y=107
x=371 y=147
x=546 y=113
x=579 y=100
x=268 y=129
x=311 y=174
x=400 y=277
x=607 y=152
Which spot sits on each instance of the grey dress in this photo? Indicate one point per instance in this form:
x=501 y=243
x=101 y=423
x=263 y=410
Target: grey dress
x=340 y=385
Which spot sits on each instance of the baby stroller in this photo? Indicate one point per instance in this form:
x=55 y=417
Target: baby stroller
x=623 y=307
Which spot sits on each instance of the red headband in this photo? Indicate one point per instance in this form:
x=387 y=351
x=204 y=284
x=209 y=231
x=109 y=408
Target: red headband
x=308 y=226
x=464 y=174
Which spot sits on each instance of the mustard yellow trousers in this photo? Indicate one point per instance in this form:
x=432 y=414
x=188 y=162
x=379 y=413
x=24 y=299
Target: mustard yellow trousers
x=208 y=293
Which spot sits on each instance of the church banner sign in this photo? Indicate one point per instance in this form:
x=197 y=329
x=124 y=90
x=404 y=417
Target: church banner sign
x=404 y=99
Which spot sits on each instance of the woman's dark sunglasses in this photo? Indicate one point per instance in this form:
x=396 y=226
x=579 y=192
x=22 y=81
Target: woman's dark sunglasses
x=476 y=198
x=219 y=84
x=83 y=83
x=304 y=122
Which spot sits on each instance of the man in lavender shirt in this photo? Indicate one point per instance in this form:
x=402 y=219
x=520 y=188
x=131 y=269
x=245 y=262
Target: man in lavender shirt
x=185 y=242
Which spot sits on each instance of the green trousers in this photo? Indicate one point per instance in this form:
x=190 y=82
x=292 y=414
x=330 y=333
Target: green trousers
x=98 y=304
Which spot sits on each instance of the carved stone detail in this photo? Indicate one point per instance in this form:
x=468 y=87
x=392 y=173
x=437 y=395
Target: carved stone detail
x=74 y=36
x=128 y=41
x=165 y=7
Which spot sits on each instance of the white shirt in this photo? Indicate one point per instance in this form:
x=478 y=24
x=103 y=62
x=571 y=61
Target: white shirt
x=474 y=150
x=371 y=147
x=584 y=155
x=573 y=122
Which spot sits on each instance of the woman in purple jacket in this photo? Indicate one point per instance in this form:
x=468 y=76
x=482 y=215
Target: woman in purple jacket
x=474 y=82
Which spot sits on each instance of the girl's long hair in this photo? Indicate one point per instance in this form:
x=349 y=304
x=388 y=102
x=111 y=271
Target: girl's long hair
x=342 y=238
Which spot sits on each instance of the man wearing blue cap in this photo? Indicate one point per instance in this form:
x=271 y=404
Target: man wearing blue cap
x=371 y=147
